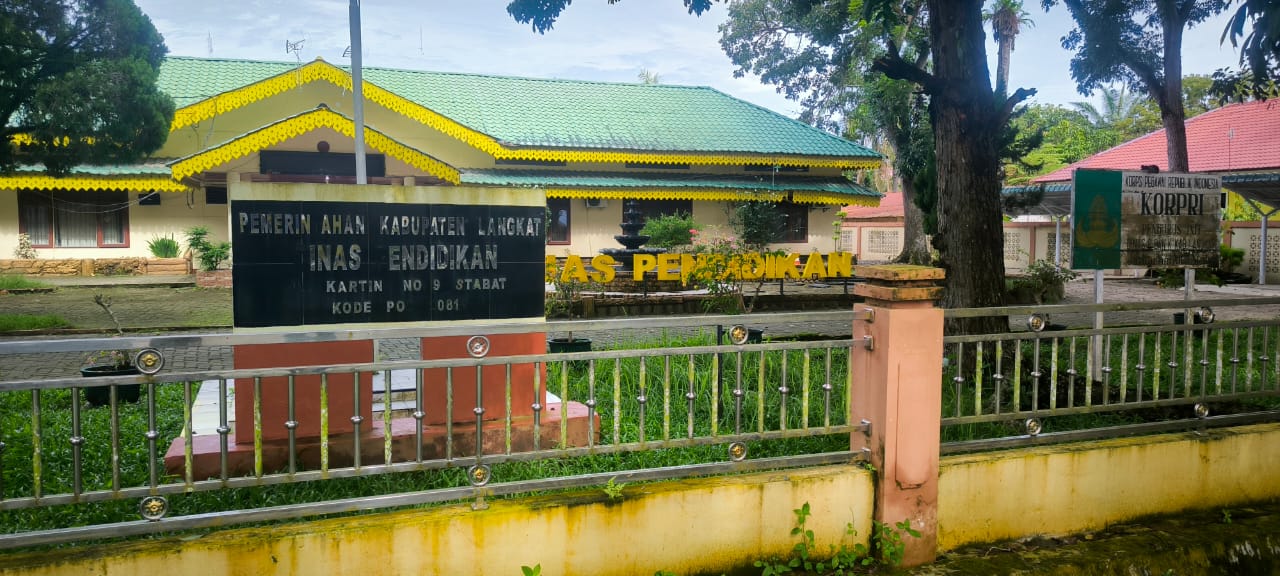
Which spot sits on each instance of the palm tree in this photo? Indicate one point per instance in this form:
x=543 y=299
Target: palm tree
x=1007 y=19
x=1117 y=107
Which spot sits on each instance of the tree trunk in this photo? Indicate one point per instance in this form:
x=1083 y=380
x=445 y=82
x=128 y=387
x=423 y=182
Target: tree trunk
x=1002 y=65
x=966 y=124
x=915 y=245
x=1173 y=114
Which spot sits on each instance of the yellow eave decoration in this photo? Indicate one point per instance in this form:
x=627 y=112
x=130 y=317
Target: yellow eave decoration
x=710 y=195
x=85 y=183
x=301 y=124
x=321 y=70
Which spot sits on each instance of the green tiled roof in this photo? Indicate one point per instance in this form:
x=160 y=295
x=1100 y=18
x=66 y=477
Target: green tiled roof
x=106 y=169
x=527 y=112
x=633 y=180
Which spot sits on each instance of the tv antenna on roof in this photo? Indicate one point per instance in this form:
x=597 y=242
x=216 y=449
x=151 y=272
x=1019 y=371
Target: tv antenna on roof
x=346 y=53
x=294 y=48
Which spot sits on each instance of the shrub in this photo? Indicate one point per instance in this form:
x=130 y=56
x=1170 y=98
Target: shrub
x=163 y=247
x=24 y=250
x=671 y=230
x=1042 y=283
x=209 y=254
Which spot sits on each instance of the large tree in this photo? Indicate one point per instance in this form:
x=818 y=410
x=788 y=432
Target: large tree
x=1261 y=48
x=77 y=84
x=820 y=52
x=1139 y=43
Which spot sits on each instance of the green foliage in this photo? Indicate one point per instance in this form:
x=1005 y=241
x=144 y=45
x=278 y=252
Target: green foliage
x=614 y=490
x=1041 y=283
x=670 y=230
x=24 y=250
x=80 y=81
x=536 y=570
x=542 y=14
x=19 y=282
x=1228 y=260
x=1261 y=47
x=887 y=547
x=13 y=322
x=567 y=291
x=163 y=247
x=757 y=223
x=209 y=254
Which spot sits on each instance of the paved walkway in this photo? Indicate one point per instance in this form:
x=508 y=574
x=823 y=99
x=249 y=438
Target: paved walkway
x=191 y=358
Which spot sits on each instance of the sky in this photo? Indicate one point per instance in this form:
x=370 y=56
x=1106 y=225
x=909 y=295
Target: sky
x=593 y=40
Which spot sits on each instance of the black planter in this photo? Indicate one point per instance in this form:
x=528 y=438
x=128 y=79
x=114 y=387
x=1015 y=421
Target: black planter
x=101 y=395
x=558 y=345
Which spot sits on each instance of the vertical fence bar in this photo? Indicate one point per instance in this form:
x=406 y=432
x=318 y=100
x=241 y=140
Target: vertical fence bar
x=153 y=474
x=690 y=396
x=642 y=399
x=188 y=418
x=1248 y=367
x=1036 y=373
x=356 y=420
x=1188 y=362
x=564 y=405
x=782 y=412
x=1072 y=372
x=77 y=441
x=113 y=403
x=957 y=380
x=508 y=401
x=291 y=425
x=760 y=395
x=1141 y=367
x=826 y=390
x=448 y=410
x=737 y=394
x=324 y=424
x=715 y=394
x=1124 y=369
x=418 y=414
x=1155 y=367
x=37 y=448
x=1017 y=376
x=1204 y=362
x=591 y=403
x=223 y=429
x=1235 y=358
x=257 y=426
x=617 y=401
x=804 y=392
x=479 y=412
x=538 y=400
x=1053 y=374
x=979 y=366
x=386 y=417
x=1217 y=372
x=1173 y=363
x=1263 y=358
x=666 y=398
x=998 y=376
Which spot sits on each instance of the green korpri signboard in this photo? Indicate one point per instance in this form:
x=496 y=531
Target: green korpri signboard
x=1144 y=220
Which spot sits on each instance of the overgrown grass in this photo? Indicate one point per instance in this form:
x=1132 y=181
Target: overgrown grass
x=12 y=322
x=19 y=282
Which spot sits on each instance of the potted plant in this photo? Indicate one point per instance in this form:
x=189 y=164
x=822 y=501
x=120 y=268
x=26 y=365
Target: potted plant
x=110 y=363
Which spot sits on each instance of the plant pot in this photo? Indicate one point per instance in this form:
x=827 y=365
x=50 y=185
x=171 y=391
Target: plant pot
x=755 y=336
x=101 y=395
x=559 y=345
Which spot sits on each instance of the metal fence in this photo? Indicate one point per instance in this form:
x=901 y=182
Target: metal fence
x=675 y=400
x=1141 y=373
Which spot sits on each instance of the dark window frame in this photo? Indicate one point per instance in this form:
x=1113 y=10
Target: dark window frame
x=49 y=199
x=554 y=206
x=796 y=229
x=219 y=193
x=656 y=208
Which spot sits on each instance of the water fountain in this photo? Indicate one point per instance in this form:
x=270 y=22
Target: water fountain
x=631 y=239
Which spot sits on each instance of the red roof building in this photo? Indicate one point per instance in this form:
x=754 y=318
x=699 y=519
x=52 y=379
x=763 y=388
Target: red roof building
x=1235 y=138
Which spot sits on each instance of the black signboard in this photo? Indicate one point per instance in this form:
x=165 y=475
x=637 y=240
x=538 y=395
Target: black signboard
x=301 y=263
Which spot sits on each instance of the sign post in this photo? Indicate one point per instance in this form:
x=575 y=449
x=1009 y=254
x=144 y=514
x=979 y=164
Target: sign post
x=1129 y=220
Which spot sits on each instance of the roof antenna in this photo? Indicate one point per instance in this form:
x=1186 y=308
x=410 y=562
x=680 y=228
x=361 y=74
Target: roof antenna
x=294 y=48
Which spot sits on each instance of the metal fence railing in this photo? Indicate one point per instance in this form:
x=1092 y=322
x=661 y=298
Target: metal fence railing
x=1140 y=373
x=668 y=402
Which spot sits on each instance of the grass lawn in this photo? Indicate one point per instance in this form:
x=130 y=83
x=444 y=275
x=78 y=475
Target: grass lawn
x=12 y=322
x=19 y=282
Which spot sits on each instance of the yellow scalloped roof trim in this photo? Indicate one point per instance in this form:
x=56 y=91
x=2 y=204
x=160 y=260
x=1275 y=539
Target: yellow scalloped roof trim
x=27 y=140
x=321 y=70
x=711 y=195
x=299 y=125
x=85 y=183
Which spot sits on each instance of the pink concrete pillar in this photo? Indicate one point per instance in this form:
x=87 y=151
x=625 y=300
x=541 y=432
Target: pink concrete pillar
x=897 y=388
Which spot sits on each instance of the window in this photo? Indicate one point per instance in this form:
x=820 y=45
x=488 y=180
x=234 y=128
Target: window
x=559 y=218
x=215 y=195
x=62 y=219
x=797 y=218
x=657 y=208
x=149 y=199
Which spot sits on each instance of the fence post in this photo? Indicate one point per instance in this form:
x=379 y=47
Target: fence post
x=897 y=389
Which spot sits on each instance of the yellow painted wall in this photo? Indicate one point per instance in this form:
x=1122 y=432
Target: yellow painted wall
x=176 y=213
x=694 y=526
x=1087 y=486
